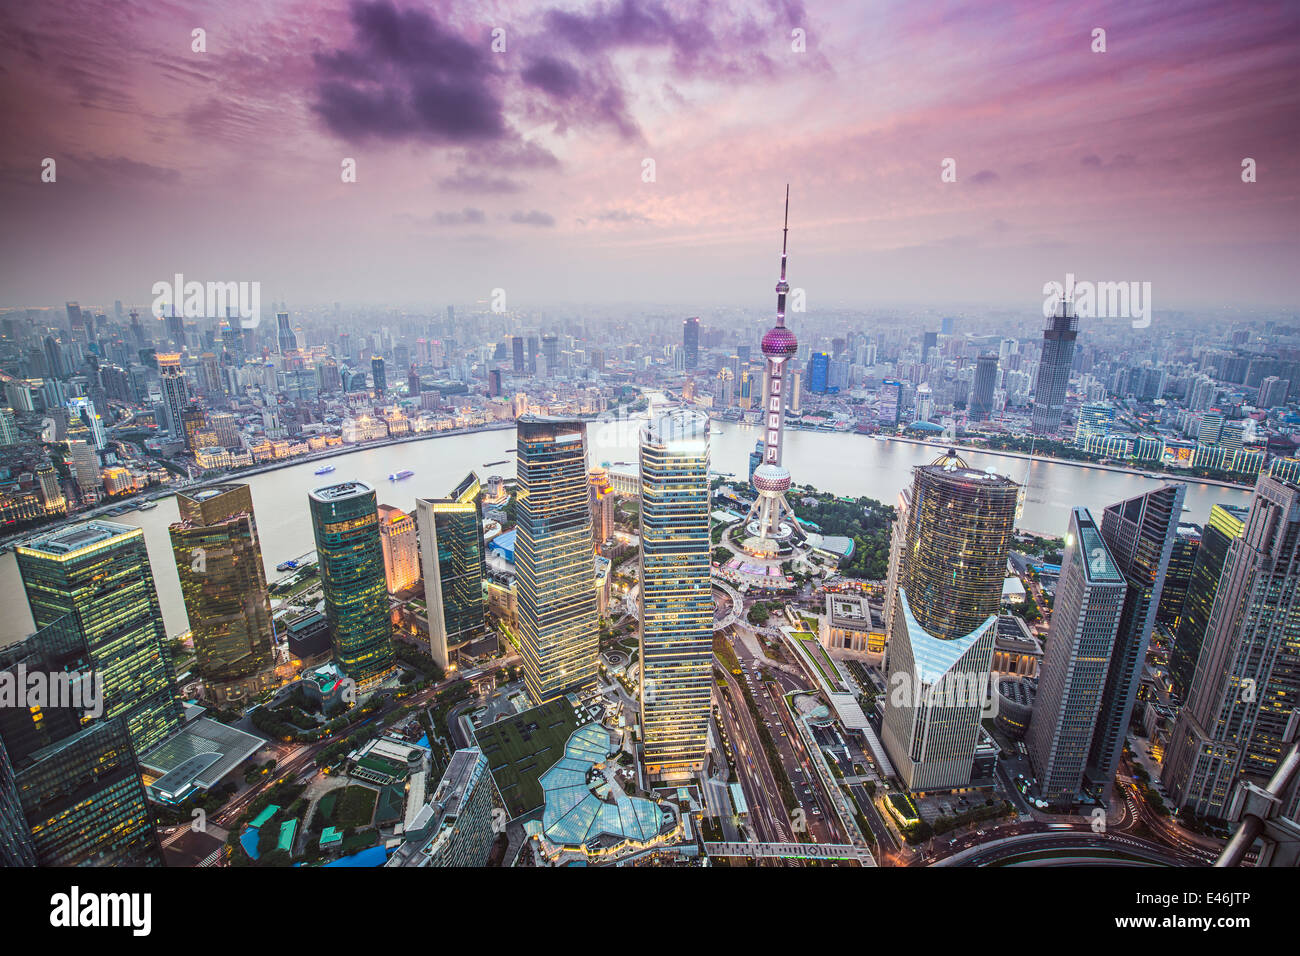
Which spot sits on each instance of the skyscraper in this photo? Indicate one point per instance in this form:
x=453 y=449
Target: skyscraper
x=602 y=506
x=691 y=343
x=951 y=566
x=981 y=395
x=1225 y=524
x=1054 y=369
x=1085 y=617
x=558 y=632
x=456 y=827
x=78 y=782
x=517 y=354
x=675 y=599
x=175 y=392
x=377 y=377
x=771 y=480
x=1247 y=681
x=451 y=549
x=219 y=560
x=284 y=334
x=1140 y=535
x=351 y=556
x=95 y=579
x=1182 y=561
x=401 y=552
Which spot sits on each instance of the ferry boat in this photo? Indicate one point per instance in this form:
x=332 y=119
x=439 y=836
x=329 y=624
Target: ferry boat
x=325 y=470
x=146 y=505
x=404 y=473
x=489 y=464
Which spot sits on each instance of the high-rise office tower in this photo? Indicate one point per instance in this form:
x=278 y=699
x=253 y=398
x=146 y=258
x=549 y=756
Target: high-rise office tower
x=1247 y=681
x=219 y=560
x=929 y=340
x=1182 y=560
x=351 y=557
x=401 y=552
x=691 y=343
x=377 y=377
x=771 y=480
x=558 y=621
x=517 y=354
x=981 y=394
x=1140 y=535
x=676 y=598
x=456 y=826
x=951 y=567
x=78 y=782
x=451 y=550
x=1085 y=617
x=1225 y=525
x=532 y=354
x=551 y=353
x=1059 y=337
x=16 y=846
x=175 y=392
x=602 y=506
x=51 y=488
x=284 y=334
x=96 y=575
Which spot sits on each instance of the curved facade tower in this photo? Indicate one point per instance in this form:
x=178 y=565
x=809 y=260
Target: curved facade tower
x=771 y=479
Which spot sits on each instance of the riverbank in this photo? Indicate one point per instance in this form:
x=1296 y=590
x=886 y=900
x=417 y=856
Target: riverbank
x=1153 y=475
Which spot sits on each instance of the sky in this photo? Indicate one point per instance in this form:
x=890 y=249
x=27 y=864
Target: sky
x=507 y=145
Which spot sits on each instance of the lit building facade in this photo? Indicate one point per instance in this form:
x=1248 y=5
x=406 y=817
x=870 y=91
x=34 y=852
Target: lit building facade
x=401 y=552
x=675 y=598
x=454 y=561
x=95 y=578
x=1225 y=525
x=558 y=623
x=219 y=561
x=351 y=558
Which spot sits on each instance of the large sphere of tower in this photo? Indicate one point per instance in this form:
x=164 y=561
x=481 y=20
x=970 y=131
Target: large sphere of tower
x=779 y=342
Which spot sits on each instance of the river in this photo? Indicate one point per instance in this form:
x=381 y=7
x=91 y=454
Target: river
x=845 y=464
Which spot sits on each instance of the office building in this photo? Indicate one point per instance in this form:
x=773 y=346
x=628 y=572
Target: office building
x=1182 y=560
x=1225 y=525
x=558 y=631
x=377 y=377
x=175 y=392
x=691 y=343
x=1085 y=617
x=1059 y=337
x=16 y=846
x=457 y=826
x=986 y=380
x=602 y=500
x=676 y=598
x=454 y=562
x=952 y=562
x=1139 y=534
x=1247 y=681
x=286 y=340
x=95 y=579
x=350 y=553
x=219 y=561
x=401 y=550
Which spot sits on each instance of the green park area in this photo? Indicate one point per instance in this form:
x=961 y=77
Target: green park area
x=521 y=748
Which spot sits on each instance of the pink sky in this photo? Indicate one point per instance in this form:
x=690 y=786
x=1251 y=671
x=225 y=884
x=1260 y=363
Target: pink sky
x=523 y=169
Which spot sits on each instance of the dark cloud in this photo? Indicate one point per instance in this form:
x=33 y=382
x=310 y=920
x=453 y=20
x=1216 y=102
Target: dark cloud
x=534 y=217
x=984 y=177
x=466 y=217
x=406 y=77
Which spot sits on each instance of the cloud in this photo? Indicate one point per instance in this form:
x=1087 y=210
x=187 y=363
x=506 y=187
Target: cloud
x=467 y=181
x=466 y=217
x=534 y=217
x=985 y=177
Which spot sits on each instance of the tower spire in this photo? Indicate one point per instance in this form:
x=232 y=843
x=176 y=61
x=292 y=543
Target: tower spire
x=783 y=287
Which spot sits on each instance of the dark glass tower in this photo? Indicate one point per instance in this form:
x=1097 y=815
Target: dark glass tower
x=1140 y=535
x=1225 y=525
x=558 y=621
x=1054 y=369
x=219 y=560
x=378 y=377
x=1182 y=561
x=95 y=577
x=16 y=847
x=691 y=343
x=453 y=563
x=981 y=395
x=76 y=775
x=351 y=555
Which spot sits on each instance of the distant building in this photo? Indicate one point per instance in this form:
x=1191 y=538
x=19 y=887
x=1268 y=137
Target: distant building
x=1054 y=369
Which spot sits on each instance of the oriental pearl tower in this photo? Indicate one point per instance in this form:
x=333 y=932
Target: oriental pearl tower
x=771 y=522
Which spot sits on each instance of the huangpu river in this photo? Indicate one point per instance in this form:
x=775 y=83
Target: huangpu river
x=845 y=464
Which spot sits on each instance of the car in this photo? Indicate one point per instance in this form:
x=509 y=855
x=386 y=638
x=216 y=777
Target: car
x=817 y=811
x=979 y=832
x=952 y=842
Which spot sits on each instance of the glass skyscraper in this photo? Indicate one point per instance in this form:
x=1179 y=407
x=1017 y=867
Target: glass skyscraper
x=96 y=578
x=74 y=773
x=219 y=561
x=944 y=620
x=558 y=621
x=1225 y=525
x=453 y=560
x=351 y=556
x=1054 y=369
x=1085 y=616
x=676 y=599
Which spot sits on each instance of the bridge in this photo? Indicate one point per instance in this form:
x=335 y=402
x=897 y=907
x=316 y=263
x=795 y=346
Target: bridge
x=794 y=851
